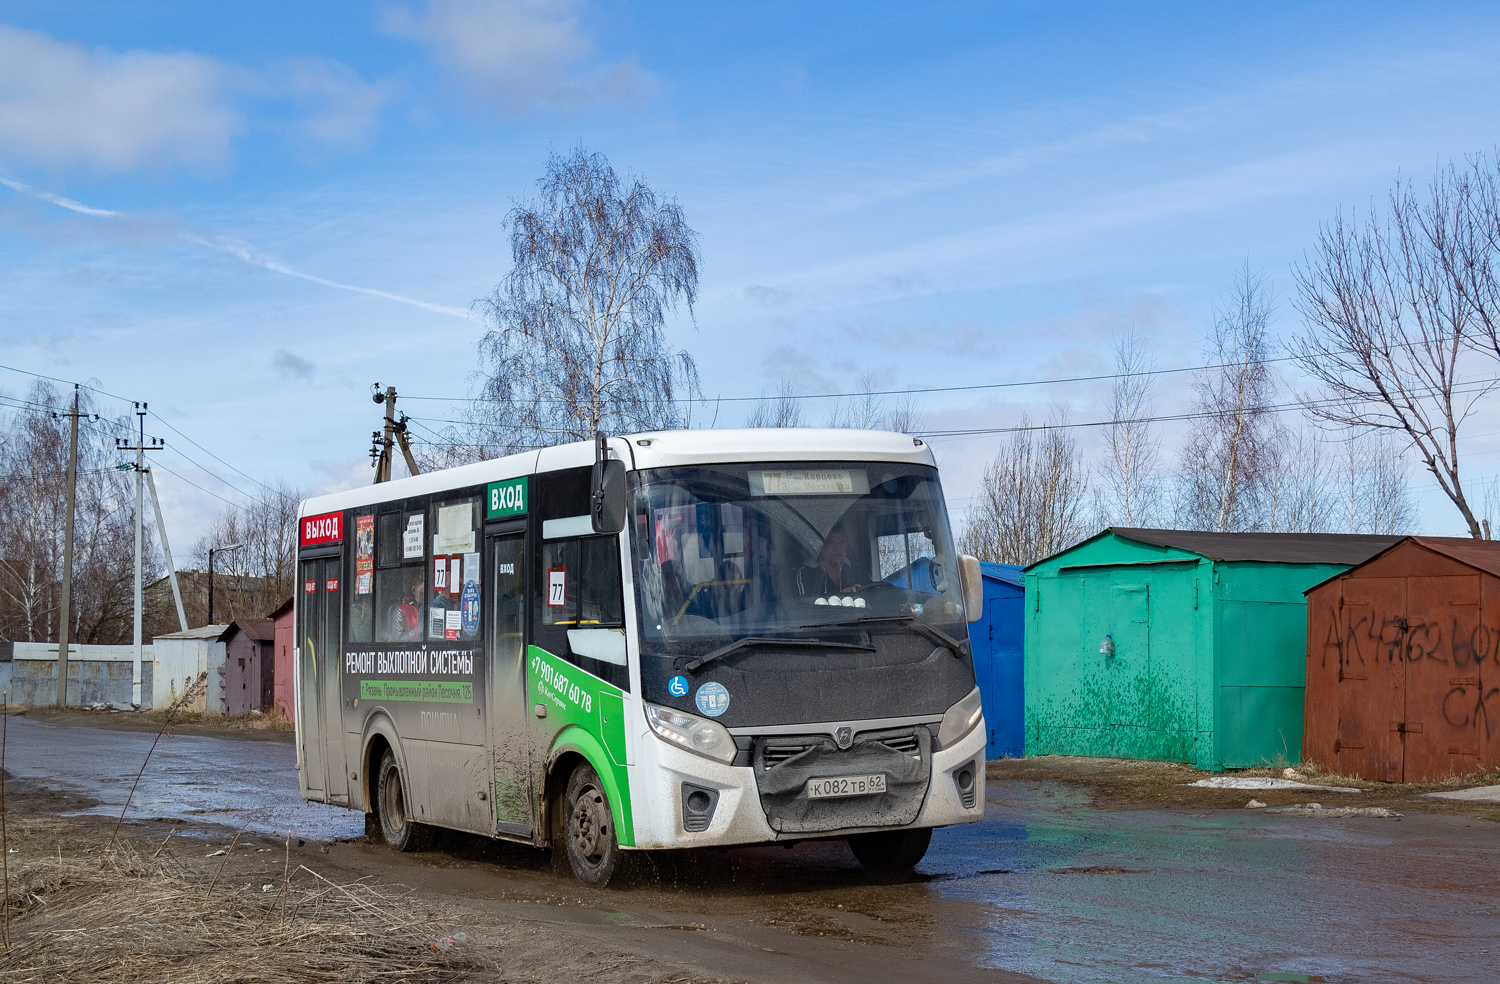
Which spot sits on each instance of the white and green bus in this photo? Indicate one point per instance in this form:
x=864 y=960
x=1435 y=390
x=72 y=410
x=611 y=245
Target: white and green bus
x=666 y=640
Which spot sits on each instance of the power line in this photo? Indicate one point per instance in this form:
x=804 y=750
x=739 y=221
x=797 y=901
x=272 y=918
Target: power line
x=69 y=382
x=196 y=485
x=891 y=392
x=220 y=460
x=1463 y=389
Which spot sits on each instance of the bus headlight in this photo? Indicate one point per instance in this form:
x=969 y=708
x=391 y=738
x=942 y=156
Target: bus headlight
x=960 y=720
x=707 y=738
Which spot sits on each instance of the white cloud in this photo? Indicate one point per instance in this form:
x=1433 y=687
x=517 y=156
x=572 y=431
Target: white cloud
x=337 y=107
x=517 y=55
x=62 y=105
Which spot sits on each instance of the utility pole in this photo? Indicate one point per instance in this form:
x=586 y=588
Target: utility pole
x=65 y=624
x=166 y=550
x=140 y=448
x=381 y=445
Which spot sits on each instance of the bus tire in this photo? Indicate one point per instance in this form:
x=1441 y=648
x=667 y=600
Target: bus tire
x=891 y=850
x=396 y=825
x=589 y=828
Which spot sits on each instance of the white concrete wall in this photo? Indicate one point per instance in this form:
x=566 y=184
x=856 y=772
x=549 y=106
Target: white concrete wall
x=110 y=654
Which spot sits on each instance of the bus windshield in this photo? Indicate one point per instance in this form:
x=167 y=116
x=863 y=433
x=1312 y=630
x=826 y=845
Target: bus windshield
x=790 y=551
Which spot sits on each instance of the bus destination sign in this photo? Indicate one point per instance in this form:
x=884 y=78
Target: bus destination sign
x=507 y=498
x=327 y=528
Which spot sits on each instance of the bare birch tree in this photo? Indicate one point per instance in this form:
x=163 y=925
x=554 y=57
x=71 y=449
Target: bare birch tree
x=1376 y=495
x=780 y=409
x=1128 y=476
x=1224 y=456
x=33 y=470
x=1298 y=490
x=1391 y=305
x=576 y=340
x=1030 y=503
x=871 y=411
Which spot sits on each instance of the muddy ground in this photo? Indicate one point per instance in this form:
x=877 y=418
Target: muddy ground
x=1122 y=784
x=1082 y=871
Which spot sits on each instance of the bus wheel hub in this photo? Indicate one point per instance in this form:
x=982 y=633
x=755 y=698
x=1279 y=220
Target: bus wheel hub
x=590 y=822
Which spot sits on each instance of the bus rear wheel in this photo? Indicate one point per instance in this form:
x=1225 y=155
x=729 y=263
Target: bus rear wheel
x=396 y=825
x=589 y=828
x=891 y=850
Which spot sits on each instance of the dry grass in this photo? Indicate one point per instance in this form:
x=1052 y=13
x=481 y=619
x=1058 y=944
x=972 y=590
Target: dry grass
x=126 y=918
x=241 y=722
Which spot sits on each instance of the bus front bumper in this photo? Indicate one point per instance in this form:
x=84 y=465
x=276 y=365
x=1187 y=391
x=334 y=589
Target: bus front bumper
x=667 y=776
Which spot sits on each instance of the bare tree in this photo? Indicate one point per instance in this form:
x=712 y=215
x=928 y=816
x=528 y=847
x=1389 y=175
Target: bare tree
x=870 y=411
x=1128 y=478
x=1030 y=502
x=1224 y=456
x=1391 y=305
x=1378 y=485
x=252 y=581
x=1298 y=491
x=780 y=409
x=576 y=340
x=33 y=469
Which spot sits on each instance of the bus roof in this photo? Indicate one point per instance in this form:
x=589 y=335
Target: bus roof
x=658 y=449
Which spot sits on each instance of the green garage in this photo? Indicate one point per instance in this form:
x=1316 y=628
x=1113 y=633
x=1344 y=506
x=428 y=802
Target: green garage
x=1176 y=645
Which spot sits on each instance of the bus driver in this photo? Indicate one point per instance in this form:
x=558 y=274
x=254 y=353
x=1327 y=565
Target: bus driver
x=832 y=572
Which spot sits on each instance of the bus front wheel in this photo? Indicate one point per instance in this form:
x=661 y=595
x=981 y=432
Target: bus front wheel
x=891 y=850
x=589 y=828
x=396 y=825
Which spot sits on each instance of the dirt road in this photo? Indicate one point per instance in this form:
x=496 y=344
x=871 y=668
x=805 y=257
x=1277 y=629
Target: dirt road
x=1049 y=886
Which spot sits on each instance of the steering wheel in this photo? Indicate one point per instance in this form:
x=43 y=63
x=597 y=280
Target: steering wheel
x=876 y=587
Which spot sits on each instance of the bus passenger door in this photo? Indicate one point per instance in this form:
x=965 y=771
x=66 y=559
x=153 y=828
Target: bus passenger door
x=510 y=720
x=321 y=643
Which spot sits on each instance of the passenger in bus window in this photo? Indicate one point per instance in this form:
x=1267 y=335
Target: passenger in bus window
x=833 y=572
x=402 y=622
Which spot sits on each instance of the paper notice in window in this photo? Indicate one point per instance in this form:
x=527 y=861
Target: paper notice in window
x=411 y=541
x=454 y=623
x=557 y=587
x=455 y=532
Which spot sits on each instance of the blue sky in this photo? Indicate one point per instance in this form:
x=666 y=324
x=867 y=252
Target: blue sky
x=936 y=194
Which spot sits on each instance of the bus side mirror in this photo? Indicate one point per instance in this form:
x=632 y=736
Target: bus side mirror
x=607 y=492
x=972 y=586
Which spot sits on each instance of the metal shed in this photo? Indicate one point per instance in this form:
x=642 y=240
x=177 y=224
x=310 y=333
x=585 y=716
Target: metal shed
x=1176 y=645
x=249 y=668
x=1402 y=683
x=998 y=663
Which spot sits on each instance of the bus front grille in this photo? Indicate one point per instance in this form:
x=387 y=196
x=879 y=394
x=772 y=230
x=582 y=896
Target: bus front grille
x=783 y=765
x=776 y=754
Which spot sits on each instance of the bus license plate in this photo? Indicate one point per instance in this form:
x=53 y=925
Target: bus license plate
x=840 y=786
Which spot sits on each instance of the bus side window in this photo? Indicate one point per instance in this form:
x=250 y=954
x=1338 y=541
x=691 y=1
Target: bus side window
x=581 y=605
x=400 y=598
x=454 y=580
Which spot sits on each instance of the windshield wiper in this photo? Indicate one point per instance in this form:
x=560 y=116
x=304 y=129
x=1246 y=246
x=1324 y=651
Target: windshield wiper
x=936 y=635
x=694 y=666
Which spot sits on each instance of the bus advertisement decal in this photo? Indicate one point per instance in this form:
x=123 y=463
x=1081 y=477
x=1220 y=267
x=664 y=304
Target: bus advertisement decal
x=578 y=699
x=436 y=691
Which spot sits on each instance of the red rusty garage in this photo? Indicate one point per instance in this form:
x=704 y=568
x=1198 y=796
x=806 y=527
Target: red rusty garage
x=1402 y=682
x=282 y=688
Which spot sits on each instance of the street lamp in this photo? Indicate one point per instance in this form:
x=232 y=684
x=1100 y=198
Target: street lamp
x=211 y=551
